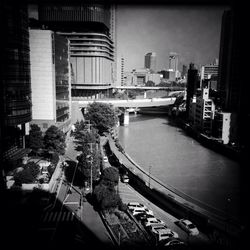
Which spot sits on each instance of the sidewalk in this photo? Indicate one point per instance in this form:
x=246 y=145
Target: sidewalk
x=88 y=216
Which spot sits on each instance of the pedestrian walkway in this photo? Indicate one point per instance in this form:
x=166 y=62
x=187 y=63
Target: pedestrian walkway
x=85 y=213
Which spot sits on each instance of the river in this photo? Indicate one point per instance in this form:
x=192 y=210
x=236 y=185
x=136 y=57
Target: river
x=182 y=162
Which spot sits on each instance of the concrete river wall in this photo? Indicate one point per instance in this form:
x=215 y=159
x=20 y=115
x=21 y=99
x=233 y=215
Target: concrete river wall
x=168 y=198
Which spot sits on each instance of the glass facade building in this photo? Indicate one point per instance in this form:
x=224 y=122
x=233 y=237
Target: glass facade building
x=15 y=79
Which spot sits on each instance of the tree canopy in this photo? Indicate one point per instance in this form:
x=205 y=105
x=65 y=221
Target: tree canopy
x=110 y=176
x=35 y=139
x=88 y=160
x=28 y=174
x=54 y=140
x=102 y=116
x=105 y=197
x=83 y=135
x=150 y=83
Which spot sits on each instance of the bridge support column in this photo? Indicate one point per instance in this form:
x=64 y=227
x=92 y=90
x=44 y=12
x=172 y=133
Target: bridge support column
x=145 y=95
x=84 y=111
x=126 y=118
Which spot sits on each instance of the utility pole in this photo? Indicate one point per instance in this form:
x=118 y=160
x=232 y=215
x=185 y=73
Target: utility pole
x=90 y=157
x=89 y=125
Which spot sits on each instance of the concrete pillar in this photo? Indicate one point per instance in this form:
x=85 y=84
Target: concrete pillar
x=145 y=95
x=126 y=118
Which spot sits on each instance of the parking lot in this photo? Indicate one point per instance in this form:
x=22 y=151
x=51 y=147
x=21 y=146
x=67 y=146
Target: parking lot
x=128 y=194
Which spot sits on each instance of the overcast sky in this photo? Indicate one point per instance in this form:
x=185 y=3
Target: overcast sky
x=191 y=31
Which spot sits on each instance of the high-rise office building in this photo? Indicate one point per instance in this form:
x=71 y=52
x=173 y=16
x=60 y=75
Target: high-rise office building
x=15 y=80
x=230 y=85
x=50 y=79
x=184 y=71
x=192 y=85
x=90 y=29
x=229 y=67
x=173 y=61
x=150 y=61
x=122 y=71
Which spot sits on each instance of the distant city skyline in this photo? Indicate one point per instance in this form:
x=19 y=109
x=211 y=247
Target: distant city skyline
x=193 y=32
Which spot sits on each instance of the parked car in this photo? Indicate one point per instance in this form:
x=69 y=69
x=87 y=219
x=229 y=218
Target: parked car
x=152 y=221
x=188 y=226
x=124 y=178
x=105 y=159
x=169 y=233
x=174 y=242
x=136 y=205
x=138 y=210
x=160 y=232
x=143 y=216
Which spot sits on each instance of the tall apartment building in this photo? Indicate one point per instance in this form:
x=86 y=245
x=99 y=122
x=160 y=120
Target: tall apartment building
x=50 y=79
x=204 y=113
x=90 y=29
x=150 y=61
x=15 y=81
x=209 y=70
x=221 y=126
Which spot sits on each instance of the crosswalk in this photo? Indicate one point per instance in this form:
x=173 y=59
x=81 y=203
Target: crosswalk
x=57 y=216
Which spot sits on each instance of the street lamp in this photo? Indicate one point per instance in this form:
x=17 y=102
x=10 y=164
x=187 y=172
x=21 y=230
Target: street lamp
x=149 y=175
x=90 y=160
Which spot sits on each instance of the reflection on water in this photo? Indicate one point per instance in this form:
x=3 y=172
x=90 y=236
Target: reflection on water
x=180 y=161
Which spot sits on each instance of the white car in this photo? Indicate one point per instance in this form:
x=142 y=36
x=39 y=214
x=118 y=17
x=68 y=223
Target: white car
x=168 y=233
x=188 y=226
x=152 y=221
x=139 y=210
x=136 y=205
x=105 y=159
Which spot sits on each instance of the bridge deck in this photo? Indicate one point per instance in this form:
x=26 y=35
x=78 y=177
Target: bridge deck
x=135 y=103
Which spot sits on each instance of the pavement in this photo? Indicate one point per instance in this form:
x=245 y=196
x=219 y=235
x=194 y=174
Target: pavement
x=76 y=203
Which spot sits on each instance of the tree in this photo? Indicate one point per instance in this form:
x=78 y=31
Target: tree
x=105 y=197
x=83 y=135
x=110 y=176
x=89 y=161
x=35 y=138
x=103 y=116
x=150 y=83
x=54 y=140
x=131 y=94
x=28 y=174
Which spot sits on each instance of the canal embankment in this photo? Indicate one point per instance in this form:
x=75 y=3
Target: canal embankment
x=171 y=200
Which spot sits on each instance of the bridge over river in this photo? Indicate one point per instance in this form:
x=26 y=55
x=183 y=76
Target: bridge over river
x=135 y=104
